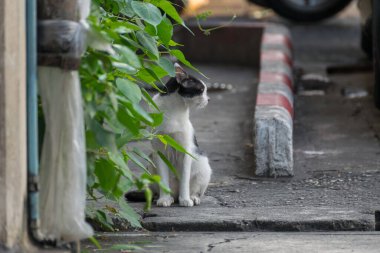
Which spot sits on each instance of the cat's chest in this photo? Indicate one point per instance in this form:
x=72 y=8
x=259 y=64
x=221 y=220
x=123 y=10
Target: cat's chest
x=177 y=125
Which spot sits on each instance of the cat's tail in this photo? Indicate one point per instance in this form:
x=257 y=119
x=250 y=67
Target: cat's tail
x=135 y=196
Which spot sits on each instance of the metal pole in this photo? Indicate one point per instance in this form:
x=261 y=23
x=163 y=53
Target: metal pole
x=32 y=117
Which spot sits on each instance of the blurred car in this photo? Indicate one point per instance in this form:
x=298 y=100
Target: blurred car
x=304 y=10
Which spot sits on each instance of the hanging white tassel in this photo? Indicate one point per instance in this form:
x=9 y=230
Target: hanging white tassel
x=63 y=170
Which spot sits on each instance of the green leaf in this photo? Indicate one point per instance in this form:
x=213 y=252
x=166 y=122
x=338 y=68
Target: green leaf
x=104 y=220
x=123 y=139
x=128 y=213
x=124 y=68
x=129 y=89
x=106 y=173
x=148 y=199
x=164 y=187
x=151 y=30
x=103 y=137
x=131 y=124
x=91 y=140
x=157 y=118
x=156 y=73
x=124 y=247
x=148 y=42
x=123 y=186
x=157 y=179
x=132 y=43
x=126 y=8
x=136 y=161
x=146 y=77
x=165 y=31
x=113 y=99
x=149 y=99
x=181 y=57
x=143 y=156
x=172 y=43
x=111 y=121
x=127 y=56
x=162 y=139
x=148 y=12
x=167 y=65
x=169 y=9
x=95 y=242
x=119 y=161
x=127 y=25
x=139 y=113
x=174 y=144
x=169 y=140
x=168 y=163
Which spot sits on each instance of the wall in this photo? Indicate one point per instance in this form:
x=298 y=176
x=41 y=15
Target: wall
x=12 y=122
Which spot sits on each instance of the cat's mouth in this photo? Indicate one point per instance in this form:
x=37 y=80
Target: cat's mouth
x=202 y=104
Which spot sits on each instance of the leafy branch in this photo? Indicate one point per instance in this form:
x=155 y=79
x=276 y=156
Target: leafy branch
x=129 y=45
x=207 y=31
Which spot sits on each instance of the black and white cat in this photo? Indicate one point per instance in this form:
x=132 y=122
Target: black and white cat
x=183 y=93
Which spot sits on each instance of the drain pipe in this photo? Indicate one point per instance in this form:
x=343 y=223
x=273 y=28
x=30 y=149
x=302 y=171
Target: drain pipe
x=32 y=119
x=32 y=127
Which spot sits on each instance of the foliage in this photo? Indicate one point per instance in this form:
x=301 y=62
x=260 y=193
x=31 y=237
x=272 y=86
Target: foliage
x=130 y=44
x=207 y=31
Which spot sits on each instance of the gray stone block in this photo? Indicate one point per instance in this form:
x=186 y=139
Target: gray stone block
x=273 y=141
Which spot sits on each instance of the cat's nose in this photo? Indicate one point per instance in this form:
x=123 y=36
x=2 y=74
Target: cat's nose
x=208 y=99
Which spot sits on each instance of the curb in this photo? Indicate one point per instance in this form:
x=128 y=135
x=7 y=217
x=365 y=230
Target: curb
x=273 y=122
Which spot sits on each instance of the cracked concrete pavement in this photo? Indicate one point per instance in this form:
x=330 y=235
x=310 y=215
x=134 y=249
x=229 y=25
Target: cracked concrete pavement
x=336 y=153
x=246 y=242
x=336 y=147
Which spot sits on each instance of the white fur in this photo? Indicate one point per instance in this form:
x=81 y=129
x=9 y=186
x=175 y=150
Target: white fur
x=194 y=175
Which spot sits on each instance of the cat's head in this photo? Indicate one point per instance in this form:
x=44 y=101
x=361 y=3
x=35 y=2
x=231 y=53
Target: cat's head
x=191 y=89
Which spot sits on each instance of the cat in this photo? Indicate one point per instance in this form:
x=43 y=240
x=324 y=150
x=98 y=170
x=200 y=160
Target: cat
x=183 y=93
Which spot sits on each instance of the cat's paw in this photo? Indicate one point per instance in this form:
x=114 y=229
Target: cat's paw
x=165 y=201
x=185 y=202
x=196 y=200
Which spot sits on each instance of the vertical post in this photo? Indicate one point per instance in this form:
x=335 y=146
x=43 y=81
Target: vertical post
x=12 y=123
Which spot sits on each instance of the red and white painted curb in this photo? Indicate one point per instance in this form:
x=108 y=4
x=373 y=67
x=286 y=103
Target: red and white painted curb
x=274 y=105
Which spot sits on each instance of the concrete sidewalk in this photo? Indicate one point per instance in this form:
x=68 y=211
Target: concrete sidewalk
x=336 y=148
x=336 y=162
x=244 y=242
x=336 y=183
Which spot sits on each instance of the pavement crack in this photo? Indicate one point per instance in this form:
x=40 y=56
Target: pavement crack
x=221 y=201
x=211 y=246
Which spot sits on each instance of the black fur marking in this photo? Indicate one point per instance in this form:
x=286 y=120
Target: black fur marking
x=197 y=149
x=191 y=87
x=171 y=86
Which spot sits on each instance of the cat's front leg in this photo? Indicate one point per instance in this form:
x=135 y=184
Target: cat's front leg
x=165 y=199
x=184 y=188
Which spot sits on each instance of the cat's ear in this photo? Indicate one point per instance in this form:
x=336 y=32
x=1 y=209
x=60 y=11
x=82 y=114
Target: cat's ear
x=180 y=73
